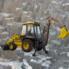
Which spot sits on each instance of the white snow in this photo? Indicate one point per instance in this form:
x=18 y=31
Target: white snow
x=67 y=54
x=32 y=60
x=28 y=54
x=18 y=9
x=45 y=65
x=54 y=2
x=27 y=66
x=60 y=68
x=13 y=64
x=42 y=60
x=65 y=4
x=24 y=3
x=5 y=14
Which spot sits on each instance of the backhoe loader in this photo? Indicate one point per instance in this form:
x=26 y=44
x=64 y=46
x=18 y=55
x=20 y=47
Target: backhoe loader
x=31 y=37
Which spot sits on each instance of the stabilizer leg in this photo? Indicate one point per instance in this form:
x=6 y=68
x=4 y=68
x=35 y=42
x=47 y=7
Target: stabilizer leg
x=34 y=54
x=46 y=52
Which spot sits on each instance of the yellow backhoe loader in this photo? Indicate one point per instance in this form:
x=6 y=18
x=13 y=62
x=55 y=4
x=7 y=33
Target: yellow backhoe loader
x=31 y=37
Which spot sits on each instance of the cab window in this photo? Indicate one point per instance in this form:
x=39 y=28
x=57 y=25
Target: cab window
x=30 y=29
x=37 y=31
x=23 y=30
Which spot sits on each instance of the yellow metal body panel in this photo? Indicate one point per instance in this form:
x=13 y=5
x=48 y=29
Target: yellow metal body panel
x=63 y=33
x=16 y=39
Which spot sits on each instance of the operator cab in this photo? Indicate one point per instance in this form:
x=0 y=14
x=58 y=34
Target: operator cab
x=31 y=29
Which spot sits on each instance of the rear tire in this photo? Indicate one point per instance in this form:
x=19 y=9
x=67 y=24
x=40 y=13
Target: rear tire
x=27 y=45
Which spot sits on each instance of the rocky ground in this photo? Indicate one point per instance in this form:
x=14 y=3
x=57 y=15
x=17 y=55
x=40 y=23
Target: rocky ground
x=14 y=13
x=58 y=57
x=20 y=60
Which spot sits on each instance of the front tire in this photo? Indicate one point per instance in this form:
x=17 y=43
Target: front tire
x=12 y=46
x=27 y=45
x=5 y=47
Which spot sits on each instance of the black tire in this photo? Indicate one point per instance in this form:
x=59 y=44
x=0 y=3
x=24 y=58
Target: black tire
x=14 y=46
x=29 y=47
x=5 y=47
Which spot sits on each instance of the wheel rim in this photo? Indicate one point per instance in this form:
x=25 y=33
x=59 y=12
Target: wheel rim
x=26 y=45
x=11 y=46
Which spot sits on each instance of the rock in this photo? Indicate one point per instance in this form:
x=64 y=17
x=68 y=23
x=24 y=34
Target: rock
x=5 y=67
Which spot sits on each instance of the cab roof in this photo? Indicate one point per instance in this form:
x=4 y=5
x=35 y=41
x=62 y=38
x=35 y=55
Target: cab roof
x=31 y=22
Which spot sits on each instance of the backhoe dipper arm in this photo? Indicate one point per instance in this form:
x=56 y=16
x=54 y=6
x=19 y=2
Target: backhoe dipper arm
x=46 y=33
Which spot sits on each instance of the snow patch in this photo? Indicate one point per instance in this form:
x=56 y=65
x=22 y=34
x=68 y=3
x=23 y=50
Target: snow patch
x=13 y=65
x=66 y=4
x=27 y=66
x=60 y=68
x=67 y=54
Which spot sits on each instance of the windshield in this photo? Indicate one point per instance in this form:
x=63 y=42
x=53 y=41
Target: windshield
x=30 y=29
x=38 y=31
